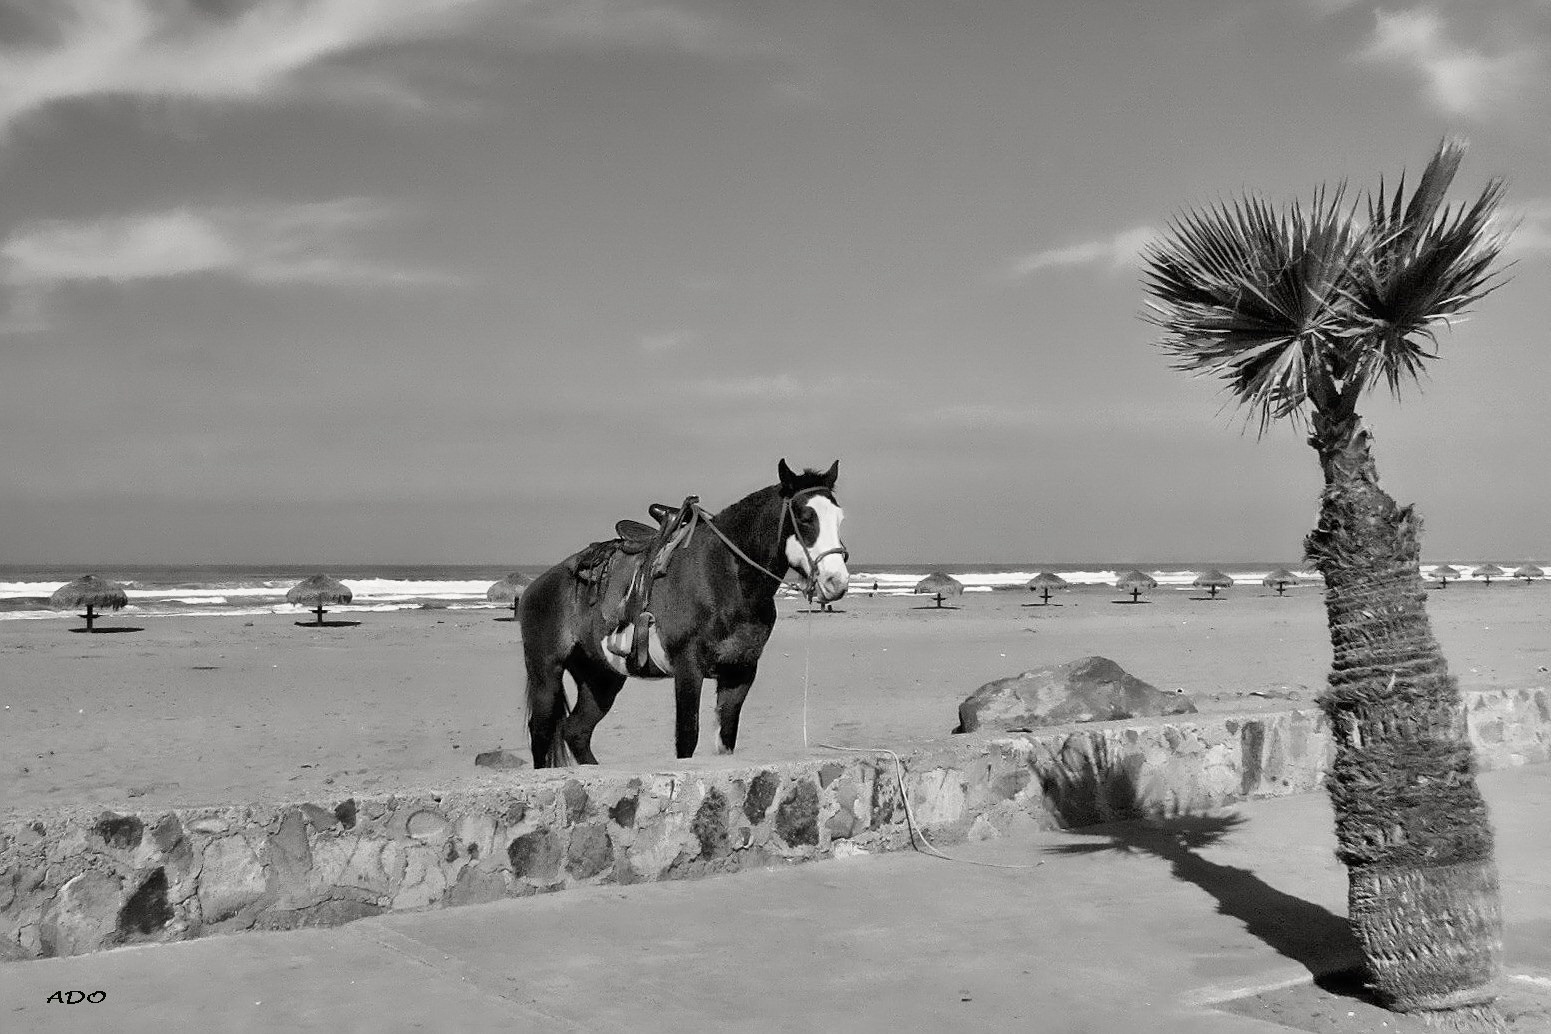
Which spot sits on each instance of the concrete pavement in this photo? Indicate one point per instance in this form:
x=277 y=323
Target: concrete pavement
x=1133 y=928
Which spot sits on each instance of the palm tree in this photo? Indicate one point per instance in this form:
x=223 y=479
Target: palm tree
x=1302 y=310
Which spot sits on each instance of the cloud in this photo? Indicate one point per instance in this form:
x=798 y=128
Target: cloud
x=1458 y=80
x=1532 y=236
x=312 y=243
x=1116 y=252
x=668 y=341
x=248 y=51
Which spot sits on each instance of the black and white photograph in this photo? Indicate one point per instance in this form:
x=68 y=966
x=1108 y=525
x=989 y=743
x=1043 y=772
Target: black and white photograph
x=707 y=515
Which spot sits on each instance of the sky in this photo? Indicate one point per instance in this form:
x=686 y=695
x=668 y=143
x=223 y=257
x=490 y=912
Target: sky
x=464 y=281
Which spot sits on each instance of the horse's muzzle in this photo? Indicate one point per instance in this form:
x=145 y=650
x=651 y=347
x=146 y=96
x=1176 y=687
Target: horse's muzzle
x=832 y=579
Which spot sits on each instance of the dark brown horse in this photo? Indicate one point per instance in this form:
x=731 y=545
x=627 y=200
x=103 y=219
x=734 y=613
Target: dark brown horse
x=711 y=610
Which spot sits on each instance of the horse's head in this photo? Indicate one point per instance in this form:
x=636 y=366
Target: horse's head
x=812 y=543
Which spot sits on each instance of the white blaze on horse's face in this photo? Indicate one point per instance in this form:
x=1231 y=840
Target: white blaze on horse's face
x=832 y=579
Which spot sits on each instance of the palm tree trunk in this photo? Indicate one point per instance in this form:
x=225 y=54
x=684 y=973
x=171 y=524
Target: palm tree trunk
x=1411 y=825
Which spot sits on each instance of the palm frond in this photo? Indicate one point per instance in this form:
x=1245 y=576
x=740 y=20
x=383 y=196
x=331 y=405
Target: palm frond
x=1420 y=266
x=1253 y=295
x=1312 y=305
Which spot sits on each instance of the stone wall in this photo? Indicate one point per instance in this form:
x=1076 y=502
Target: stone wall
x=73 y=882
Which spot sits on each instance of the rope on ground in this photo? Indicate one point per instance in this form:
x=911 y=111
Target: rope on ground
x=925 y=846
x=918 y=839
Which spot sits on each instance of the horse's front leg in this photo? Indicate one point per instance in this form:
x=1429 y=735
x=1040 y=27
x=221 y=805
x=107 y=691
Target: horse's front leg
x=732 y=688
x=687 y=681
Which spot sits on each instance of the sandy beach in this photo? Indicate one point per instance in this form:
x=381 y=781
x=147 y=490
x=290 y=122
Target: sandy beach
x=195 y=710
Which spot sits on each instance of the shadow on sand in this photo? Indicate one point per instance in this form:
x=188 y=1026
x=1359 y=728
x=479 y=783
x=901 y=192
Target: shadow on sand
x=327 y=624
x=503 y=619
x=108 y=629
x=1084 y=791
x=1131 y=603
x=940 y=606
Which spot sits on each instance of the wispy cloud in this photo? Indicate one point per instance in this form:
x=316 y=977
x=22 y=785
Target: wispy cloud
x=176 y=50
x=1532 y=236
x=1116 y=252
x=667 y=341
x=1457 y=79
x=314 y=243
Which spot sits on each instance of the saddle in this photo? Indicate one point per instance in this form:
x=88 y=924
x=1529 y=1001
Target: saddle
x=631 y=638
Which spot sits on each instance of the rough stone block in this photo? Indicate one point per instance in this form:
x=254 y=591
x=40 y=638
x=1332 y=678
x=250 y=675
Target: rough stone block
x=230 y=879
x=589 y=851
x=85 y=915
x=798 y=814
x=536 y=856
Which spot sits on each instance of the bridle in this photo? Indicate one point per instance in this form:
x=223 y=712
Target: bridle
x=788 y=516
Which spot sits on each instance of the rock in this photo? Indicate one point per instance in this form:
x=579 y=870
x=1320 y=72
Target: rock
x=797 y=817
x=710 y=825
x=230 y=880
x=761 y=794
x=1093 y=689
x=84 y=916
x=502 y=759
x=590 y=851
x=536 y=855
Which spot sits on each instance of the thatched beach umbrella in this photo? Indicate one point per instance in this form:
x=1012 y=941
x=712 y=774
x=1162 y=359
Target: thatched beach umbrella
x=1212 y=580
x=1444 y=573
x=1279 y=580
x=1529 y=572
x=1043 y=582
x=316 y=592
x=940 y=585
x=1136 y=583
x=1488 y=571
x=508 y=590
x=90 y=592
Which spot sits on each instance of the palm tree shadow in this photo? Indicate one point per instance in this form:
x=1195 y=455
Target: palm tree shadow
x=1102 y=793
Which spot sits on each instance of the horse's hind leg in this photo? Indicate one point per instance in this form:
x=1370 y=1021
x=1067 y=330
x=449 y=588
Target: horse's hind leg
x=546 y=710
x=596 y=688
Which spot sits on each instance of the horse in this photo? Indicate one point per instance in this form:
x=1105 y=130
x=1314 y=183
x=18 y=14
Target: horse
x=709 y=611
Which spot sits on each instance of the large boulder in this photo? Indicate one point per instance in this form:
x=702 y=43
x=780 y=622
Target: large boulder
x=1093 y=689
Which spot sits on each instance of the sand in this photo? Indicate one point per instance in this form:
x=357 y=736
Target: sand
x=211 y=710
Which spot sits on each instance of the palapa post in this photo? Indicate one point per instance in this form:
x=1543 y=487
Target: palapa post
x=509 y=590
x=1279 y=580
x=1045 y=581
x=1212 y=580
x=1136 y=583
x=940 y=585
x=90 y=592
x=316 y=592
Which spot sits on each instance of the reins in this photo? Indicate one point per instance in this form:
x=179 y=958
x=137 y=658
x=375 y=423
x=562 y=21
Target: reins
x=918 y=839
x=789 y=512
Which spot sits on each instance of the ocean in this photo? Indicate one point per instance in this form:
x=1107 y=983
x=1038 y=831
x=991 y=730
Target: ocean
x=258 y=589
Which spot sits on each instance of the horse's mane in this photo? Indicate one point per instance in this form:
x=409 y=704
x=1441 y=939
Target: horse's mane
x=750 y=505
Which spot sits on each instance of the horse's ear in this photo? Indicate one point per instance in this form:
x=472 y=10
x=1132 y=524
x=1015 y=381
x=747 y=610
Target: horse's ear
x=788 y=479
x=832 y=475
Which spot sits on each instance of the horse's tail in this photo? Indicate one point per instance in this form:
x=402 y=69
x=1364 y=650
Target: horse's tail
x=559 y=753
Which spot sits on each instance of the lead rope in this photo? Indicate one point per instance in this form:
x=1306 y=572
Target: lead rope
x=918 y=839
